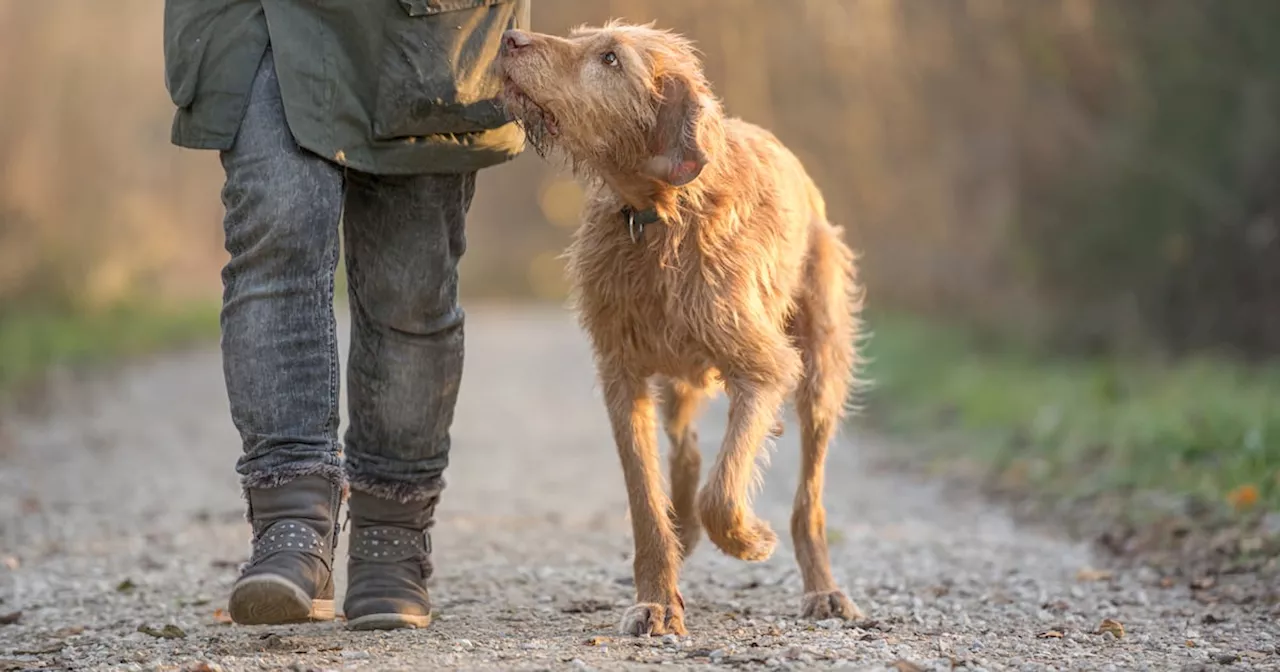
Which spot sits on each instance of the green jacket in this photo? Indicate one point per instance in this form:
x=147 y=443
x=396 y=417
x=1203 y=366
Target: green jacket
x=382 y=86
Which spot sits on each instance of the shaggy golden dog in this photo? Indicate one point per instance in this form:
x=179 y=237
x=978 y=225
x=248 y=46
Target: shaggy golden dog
x=704 y=257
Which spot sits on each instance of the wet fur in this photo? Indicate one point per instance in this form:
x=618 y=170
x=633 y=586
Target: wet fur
x=744 y=283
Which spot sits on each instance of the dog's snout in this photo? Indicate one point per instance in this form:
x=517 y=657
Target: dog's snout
x=515 y=40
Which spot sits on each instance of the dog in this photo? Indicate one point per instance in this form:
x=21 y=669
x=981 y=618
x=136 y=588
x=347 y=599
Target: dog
x=704 y=260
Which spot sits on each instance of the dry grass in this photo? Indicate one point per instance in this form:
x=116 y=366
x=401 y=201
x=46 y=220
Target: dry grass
x=941 y=133
x=95 y=205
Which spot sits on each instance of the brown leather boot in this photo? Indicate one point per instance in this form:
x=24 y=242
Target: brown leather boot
x=389 y=562
x=289 y=578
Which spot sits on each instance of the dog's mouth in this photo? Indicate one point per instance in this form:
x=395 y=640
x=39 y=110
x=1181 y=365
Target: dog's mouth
x=536 y=119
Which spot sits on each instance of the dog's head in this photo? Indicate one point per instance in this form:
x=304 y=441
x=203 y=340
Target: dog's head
x=620 y=99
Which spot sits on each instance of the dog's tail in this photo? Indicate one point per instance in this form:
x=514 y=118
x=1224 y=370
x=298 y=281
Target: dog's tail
x=831 y=307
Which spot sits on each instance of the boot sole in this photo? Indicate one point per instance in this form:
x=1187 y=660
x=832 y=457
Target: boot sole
x=267 y=599
x=389 y=622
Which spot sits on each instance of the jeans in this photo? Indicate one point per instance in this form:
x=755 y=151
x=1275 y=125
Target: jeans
x=403 y=239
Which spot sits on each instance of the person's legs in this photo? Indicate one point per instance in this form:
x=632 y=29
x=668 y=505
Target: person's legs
x=404 y=238
x=280 y=359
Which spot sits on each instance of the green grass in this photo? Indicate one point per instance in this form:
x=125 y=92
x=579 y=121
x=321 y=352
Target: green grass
x=33 y=341
x=1072 y=427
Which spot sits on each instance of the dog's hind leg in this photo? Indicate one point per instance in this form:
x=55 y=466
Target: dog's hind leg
x=825 y=328
x=659 y=609
x=681 y=402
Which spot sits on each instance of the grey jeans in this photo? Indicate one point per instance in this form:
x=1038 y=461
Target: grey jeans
x=403 y=239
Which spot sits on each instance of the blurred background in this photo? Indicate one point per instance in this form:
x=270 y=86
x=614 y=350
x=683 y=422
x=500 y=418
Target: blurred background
x=1068 y=214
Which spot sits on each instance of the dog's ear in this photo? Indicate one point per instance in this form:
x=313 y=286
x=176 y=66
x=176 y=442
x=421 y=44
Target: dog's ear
x=677 y=158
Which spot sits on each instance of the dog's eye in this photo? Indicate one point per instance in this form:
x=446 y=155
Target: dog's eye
x=610 y=58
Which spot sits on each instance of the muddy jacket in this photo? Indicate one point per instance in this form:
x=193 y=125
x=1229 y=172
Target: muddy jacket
x=382 y=86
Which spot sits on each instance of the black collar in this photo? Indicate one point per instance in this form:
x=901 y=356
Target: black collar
x=638 y=219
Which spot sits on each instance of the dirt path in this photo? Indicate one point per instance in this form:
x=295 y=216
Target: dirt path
x=119 y=509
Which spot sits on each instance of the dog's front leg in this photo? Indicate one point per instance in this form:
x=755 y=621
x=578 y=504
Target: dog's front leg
x=659 y=609
x=724 y=505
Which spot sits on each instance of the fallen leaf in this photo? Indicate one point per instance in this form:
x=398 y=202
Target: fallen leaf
x=1203 y=583
x=1089 y=575
x=11 y=618
x=1049 y=634
x=167 y=632
x=1112 y=626
x=598 y=640
x=1191 y=644
x=905 y=666
x=1243 y=497
x=1168 y=582
x=222 y=617
x=126 y=586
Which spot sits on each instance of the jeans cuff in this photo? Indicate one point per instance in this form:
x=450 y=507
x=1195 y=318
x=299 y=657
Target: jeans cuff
x=281 y=475
x=400 y=480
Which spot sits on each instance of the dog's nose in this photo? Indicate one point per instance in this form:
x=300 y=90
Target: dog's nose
x=515 y=40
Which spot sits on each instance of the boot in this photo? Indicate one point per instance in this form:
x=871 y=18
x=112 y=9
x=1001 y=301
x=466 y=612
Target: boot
x=389 y=562
x=289 y=577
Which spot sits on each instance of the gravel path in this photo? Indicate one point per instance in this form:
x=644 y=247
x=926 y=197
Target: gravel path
x=119 y=513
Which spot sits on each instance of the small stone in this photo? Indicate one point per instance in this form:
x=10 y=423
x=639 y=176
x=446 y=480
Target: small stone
x=830 y=624
x=464 y=644
x=1271 y=524
x=670 y=640
x=356 y=655
x=1226 y=658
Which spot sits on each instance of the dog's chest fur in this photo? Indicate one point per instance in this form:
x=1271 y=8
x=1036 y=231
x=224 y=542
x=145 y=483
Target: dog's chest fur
x=666 y=301
x=643 y=298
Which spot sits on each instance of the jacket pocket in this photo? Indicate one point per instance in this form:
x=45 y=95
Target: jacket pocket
x=435 y=75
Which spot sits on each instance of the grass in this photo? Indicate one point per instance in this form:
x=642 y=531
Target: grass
x=32 y=342
x=1204 y=428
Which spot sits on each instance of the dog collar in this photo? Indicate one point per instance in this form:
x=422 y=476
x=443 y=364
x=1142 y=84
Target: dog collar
x=638 y=219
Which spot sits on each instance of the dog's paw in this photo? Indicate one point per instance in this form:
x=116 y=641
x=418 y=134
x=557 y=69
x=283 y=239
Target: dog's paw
x=733 y=528
x=752 y=540
x=644 y=619
x=834 y=604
